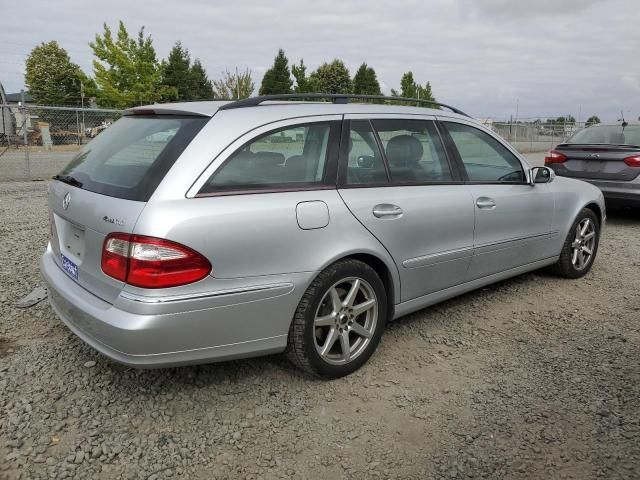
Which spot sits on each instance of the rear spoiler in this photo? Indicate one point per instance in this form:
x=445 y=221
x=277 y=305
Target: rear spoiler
x=161 y=111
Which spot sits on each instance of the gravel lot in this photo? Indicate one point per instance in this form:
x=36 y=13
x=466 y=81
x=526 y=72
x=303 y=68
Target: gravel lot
x=535 y=377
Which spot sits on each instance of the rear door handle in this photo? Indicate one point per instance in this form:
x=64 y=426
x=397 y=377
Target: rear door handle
x=486 y=203
x=387 y=210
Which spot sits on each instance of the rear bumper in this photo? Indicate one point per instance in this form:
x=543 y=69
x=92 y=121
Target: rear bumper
x=627 y=193
x=222 y=326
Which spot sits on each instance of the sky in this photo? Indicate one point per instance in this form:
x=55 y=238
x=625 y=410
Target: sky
x=490 y=58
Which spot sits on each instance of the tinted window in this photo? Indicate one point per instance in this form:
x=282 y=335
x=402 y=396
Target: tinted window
x=609 y=135
x=414 y=151
x=485 y=159
x=130 y=158
x=283 y=157
x=365 y=164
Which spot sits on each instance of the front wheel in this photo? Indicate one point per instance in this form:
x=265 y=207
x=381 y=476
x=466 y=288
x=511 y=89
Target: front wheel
x=339 y=321
x=580 y=246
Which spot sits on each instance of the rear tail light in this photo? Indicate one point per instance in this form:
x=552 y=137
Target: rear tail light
x=554 y=156
x=633 y=161
x=150 y=262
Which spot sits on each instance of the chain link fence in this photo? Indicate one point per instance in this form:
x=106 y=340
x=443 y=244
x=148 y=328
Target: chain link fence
x=530 y=137
x=37 y=141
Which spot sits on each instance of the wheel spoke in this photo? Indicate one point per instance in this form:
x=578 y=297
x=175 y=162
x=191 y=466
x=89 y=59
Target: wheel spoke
x=346 y=348
x=574 y=258
x=586 y=250
x=336 y=303
x=331 y=339
x=326 y=321
x=363 y=307
x=589 y=236
x=584 y=228
x=353 y=291
x=360 y=330
x=580 y=260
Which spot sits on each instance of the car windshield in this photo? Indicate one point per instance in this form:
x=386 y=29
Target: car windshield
x=608 y=135
x=130 y=158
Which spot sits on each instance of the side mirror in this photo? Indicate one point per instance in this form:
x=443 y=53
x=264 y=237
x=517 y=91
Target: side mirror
x=366 y=161
x=541 y=175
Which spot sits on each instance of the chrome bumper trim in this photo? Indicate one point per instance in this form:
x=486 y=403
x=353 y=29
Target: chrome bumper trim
x=197 y=296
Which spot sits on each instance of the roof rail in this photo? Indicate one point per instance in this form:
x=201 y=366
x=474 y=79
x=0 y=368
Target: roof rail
x=340 y=98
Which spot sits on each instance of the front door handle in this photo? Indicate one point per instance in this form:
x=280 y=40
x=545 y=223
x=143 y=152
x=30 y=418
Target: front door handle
x=486 y=203
x=387 y=210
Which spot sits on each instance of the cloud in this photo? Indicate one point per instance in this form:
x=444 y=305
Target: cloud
x=551 y=57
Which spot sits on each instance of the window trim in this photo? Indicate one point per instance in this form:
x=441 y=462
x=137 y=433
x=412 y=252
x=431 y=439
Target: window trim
x=343 y=161
x=454 y=178
x=328 y=181
x=455 y=153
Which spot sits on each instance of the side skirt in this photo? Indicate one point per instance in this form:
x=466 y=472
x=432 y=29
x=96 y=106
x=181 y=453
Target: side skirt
x=415 y=304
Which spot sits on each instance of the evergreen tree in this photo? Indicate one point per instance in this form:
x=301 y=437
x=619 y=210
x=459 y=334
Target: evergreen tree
x=303 y=83
x=410 y=89
x=176 y=74
x=202 y=88
x=278 y=78
x=332 y=78
x=365 y=81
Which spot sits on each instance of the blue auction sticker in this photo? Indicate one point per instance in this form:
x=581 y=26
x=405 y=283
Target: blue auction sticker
x=69 y=267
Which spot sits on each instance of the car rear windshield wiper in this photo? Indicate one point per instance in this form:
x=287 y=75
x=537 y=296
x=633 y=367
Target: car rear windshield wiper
x=68 y=179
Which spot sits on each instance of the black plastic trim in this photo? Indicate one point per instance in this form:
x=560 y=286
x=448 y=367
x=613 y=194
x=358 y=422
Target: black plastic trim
x=335 y=98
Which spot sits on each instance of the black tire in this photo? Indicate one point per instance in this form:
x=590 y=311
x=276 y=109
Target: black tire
x=565 y=267
x=301 y=349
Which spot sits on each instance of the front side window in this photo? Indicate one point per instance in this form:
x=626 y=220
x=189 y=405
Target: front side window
x=289 y=156
x=414 y=151
x=485 y=159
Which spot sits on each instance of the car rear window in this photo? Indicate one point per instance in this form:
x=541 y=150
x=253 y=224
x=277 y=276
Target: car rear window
x=129 y=159
x=608 y=135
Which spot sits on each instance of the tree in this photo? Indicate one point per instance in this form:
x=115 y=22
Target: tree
x=126 y=70
x=365 y=81
x=183 y=80
x=234 y=85
x=202 y=88
x=303 y=83
x=332 y=78
x=592 y=120
x=278 y=78
x=410 y=89
x=52 y=78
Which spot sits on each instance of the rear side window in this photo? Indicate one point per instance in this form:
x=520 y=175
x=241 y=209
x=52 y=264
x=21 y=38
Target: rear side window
x=484 y=158
x=414 y=151
x=129 y=159
x=365 y=165
x=284 y=158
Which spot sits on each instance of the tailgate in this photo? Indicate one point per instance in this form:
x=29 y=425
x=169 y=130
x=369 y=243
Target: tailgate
x=80 y=220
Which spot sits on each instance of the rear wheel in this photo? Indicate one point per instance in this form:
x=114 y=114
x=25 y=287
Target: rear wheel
x=339 y=321
x=580 y=246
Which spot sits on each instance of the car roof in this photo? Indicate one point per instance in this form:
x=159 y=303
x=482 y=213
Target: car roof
x=302 y=108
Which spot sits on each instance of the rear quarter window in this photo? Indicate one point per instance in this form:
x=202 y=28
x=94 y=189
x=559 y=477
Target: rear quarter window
x=130 y=158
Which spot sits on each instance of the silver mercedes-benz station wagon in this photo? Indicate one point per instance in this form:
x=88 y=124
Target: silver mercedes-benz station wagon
x=198 y=232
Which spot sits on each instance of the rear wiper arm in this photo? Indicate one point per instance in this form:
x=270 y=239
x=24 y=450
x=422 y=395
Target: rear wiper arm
x=68 y=179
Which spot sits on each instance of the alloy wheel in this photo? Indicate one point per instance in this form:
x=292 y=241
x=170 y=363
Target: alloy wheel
x=345 y=320
x=583 y=245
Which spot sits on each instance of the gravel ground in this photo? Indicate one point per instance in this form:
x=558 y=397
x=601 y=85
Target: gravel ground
x=535 y=377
